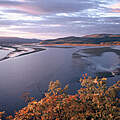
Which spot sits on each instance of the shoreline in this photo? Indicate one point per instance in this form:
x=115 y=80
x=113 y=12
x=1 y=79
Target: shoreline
x=69 y=44
x=19 y=51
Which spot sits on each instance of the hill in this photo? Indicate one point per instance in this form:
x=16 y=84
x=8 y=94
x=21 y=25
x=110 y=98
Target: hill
x=102 y=35
x=16 y=40
x=88 y=39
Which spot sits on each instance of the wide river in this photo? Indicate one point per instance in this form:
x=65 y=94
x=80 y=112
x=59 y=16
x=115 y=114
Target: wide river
x=32 y=73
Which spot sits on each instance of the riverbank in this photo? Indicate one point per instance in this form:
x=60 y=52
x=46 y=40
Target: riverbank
x=16 y=51
x=70 y=44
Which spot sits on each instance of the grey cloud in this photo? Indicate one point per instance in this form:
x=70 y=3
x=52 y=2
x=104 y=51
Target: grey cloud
x=39 y=7
x=61 y=17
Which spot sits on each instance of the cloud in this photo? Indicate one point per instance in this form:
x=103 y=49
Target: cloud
x=39 y=7
x=116 y=10
x=115 y=6
x=56 y=18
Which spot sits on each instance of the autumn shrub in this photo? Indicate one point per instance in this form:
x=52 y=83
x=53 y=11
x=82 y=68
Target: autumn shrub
x=94 y=101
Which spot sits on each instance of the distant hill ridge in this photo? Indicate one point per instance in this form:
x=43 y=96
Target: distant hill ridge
x=16 y=40
x=87 y=39
x=102 y=35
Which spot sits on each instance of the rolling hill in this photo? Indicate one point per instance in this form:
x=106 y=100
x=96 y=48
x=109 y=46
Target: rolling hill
x=16 y=40
x=88 y=39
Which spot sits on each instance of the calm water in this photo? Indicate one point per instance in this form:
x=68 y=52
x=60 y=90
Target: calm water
x=32 y=73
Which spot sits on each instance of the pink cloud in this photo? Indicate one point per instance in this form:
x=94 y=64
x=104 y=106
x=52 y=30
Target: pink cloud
x=38 y=7
x=24 y=7
x=115 y=6
x=116 y=10
x=29 y=9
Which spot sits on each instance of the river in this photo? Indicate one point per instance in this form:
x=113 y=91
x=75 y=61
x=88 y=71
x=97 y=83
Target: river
x=33 y=72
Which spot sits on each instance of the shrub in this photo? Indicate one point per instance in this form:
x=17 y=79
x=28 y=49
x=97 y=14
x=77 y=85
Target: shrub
x=94 y=101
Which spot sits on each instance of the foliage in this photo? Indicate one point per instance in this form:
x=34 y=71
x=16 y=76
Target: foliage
x=94 y=101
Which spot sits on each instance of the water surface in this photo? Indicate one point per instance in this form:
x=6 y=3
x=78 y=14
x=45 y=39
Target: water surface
x=33 y=72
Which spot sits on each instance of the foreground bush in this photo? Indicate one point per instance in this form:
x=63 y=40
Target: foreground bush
x=94 y=101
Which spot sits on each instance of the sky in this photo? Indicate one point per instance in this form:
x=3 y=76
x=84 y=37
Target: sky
x=46 y=19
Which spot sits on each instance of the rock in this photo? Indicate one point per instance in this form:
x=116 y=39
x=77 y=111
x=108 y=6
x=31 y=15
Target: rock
x=116 y=71
x=104 y=74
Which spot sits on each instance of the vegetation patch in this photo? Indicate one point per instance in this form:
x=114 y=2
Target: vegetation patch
x=94 y=101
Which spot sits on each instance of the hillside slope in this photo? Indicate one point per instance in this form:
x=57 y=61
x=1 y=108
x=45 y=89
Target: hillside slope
x=88 y=39
x=16 y=40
